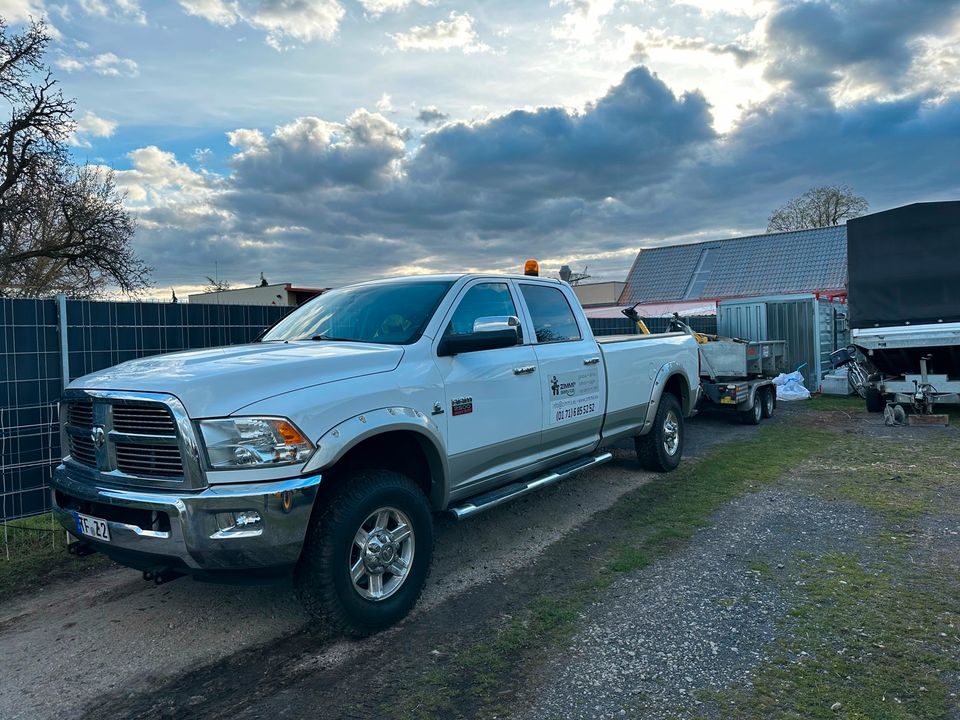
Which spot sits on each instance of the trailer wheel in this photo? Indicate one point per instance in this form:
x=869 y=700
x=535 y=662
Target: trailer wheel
x=768 y=401
x=660 y=449
x=754 y=413
x=367 y=553
x=876 y=402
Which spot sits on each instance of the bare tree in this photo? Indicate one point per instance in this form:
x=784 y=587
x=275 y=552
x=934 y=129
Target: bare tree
x=214 y=285
x=818 y=207
x=63 y=228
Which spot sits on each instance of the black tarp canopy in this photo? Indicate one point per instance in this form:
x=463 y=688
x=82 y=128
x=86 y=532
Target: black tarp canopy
x=904 y=266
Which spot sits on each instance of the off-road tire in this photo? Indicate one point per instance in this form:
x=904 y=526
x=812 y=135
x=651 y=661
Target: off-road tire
x=754 y=413
x=322 y=578
x=768 y=401
x=651 y=449
x=876 y=402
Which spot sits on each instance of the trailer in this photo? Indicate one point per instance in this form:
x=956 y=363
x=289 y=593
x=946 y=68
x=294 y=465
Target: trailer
x=737 y=375
x=904 y=309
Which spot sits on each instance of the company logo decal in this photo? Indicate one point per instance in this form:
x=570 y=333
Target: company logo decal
x=462 y=406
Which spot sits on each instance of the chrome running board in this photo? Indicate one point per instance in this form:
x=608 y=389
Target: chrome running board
x=504 y=494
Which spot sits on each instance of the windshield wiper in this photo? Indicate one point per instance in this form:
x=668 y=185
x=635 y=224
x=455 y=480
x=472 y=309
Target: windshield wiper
x=333 y=339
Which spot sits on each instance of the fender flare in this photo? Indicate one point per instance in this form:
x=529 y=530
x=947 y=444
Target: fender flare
x=334 y=444
x=665 y=374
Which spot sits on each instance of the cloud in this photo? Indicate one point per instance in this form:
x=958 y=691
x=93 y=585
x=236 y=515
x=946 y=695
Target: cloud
x=584 y=19
x=91 y=125
x=285 y=21
x=815 y=46
x=376 y=8
x=107 y=64
x=454 y=33
x=654 y=39
x=158 y=178
x=114 y=9
x=431 y=115
x=633 y=134
x=14 y=11
x=310 y=153
x=385 y=105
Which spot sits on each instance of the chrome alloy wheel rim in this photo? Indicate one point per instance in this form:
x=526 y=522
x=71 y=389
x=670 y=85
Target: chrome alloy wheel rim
x=768 y=402
x=671 y=433
x=381 y=554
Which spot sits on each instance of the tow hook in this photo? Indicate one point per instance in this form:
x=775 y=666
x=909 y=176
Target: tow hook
x=159 y=577
x=80 y=548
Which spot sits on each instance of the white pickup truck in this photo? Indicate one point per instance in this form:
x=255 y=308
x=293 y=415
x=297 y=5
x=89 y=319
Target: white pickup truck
x=325 y=447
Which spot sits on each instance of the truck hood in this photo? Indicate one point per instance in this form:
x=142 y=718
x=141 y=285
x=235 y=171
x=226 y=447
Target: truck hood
x=218 y=381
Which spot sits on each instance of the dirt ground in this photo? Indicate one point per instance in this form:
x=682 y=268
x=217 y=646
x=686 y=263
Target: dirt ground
x=705 y=615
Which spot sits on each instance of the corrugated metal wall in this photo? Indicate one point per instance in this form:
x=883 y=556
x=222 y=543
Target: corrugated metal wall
x=794 y=321
x=747 y=320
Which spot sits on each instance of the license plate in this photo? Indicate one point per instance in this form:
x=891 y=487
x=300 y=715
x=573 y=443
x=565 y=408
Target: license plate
x=92 y=527
x=728 y=401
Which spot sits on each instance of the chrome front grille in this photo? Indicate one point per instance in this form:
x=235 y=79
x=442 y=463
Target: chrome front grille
x=152 y=461
x=80 y=414
x=144 y=420
x=82 y=450
x=139 y=439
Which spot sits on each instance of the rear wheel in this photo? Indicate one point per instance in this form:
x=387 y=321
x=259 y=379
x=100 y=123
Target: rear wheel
x=752 y=415
x=768 y=401
x=367 y=553
x=660 y=449
x=875 y=400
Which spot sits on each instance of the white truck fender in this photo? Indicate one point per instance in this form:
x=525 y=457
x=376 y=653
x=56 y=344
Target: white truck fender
x=659 y=384
x=341 y=438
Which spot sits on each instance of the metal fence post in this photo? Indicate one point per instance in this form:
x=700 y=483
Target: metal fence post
x=64 y=345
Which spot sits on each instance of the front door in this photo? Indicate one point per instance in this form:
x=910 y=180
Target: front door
x=573 y=384
x=493 y=398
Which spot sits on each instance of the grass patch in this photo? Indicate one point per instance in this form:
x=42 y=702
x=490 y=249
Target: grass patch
x=895 y=478
x=877 y=638
x=481 y=678
x=34 y=552
x=875 y=630
x=837 y=403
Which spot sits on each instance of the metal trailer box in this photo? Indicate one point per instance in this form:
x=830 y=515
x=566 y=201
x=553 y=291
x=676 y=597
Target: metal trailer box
x=837 y=385
x=726 y=358
x=811 y=326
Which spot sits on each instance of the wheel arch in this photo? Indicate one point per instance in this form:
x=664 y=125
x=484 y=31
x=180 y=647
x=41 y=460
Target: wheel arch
x=671 y=379
x=399 y=439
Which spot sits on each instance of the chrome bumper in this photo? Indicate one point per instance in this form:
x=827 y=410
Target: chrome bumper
x=198 y=538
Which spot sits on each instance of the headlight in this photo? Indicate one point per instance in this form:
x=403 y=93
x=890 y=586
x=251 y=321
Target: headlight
x=253 y=442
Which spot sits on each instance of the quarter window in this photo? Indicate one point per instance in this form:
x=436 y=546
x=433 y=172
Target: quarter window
x=553 y=319
x=482 y=300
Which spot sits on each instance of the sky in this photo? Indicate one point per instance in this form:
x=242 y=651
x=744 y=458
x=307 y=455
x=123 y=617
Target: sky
x=323 y=142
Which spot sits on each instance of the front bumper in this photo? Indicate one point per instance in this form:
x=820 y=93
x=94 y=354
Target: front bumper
x=187 y=531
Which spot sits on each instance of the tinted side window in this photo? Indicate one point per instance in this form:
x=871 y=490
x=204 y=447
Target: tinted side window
x=553 y=319
x=483 y=300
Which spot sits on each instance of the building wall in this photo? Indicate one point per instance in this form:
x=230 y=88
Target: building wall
x=600 y=293
x=269 y=295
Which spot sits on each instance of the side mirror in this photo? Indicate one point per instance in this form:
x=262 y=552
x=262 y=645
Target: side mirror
x=489 y=333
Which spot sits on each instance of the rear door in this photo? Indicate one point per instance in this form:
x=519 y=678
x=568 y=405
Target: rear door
x=572 y=380
x=493 y=398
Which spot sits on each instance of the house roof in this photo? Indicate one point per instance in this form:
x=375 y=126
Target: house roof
x=798 y=261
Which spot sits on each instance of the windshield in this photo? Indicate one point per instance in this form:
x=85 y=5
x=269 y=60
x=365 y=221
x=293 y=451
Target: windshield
x=392 y=313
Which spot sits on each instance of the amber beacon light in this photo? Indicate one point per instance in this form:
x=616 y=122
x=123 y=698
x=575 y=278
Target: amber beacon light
x=531 y=267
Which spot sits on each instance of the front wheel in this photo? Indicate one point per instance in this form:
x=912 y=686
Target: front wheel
x=367 y=553
x=660 y=449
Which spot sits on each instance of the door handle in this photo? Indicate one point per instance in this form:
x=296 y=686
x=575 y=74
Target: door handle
x=591 y=361
x=525 y=370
